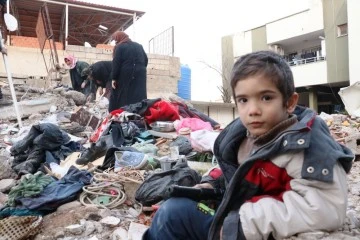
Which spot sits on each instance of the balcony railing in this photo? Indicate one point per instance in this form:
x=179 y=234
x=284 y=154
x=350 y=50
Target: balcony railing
x=301 y=61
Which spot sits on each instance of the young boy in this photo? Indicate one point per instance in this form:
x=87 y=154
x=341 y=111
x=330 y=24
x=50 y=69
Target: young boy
x=283 y=171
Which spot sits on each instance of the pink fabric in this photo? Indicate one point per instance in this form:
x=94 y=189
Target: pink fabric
x=72 y=60
x=193 y=123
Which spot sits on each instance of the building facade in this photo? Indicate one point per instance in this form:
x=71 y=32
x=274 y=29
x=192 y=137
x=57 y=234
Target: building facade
x=321 y=45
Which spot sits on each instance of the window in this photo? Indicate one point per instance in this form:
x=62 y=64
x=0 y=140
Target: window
x=342 y=30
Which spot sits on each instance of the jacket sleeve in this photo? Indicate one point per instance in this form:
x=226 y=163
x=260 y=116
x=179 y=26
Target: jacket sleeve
x=214 y=177
x=116 y=63
x=145 y=57
x=303 y=208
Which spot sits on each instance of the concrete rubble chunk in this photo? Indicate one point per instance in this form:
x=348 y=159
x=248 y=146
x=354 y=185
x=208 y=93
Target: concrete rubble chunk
x=7 y=184
x=78 y=97
x=105 y=213
x=89 y=228
x=98 y=227
x=354 y=220
x=93 y=238
x=68 y=206
x=136 y=231
x=110 y=221
x=119 y=234
x=59 y=234
x=75 y=229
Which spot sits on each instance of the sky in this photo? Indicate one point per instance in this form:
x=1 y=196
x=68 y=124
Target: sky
x=199 y=26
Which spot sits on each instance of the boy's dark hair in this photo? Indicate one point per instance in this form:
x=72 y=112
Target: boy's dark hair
x=265 y=63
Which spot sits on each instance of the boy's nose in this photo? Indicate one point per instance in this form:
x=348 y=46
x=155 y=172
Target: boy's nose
x=254 y=109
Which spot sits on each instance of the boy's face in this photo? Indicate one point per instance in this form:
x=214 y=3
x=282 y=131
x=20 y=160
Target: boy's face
x=260 y=104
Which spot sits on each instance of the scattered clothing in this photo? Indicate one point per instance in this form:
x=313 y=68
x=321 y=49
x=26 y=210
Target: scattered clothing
x=30 y=152
x=30 y=185
x=59 y=192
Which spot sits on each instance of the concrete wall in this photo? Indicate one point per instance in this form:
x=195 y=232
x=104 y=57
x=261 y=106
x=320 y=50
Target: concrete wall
x=297 y=24
x=353 y=9
x=337 y=53
x=259 y=39
x=242 y=43
x=227 y=60
x=28 y=64
x=223 y=113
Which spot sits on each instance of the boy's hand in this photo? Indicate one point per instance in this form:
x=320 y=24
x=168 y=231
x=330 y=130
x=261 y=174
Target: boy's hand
x=113 y=84
x=83 y=84
x=204 y=185
x=101 y=91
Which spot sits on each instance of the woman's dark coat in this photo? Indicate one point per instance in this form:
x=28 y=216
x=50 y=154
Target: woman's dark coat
x=129 y=71
x=101 y=73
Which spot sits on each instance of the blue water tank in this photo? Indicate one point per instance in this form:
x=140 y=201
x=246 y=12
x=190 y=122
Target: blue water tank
x=184 y=85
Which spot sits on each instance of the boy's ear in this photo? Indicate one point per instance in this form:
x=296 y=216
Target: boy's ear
x=292 y=102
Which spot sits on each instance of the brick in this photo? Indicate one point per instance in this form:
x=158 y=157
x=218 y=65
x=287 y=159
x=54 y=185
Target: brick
x=72 y=48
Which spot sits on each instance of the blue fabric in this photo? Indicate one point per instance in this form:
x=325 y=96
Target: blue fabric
x=59 y=192
x=179 y=218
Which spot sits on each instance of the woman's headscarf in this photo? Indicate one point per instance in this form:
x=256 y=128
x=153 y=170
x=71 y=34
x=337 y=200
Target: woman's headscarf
x=120 y=37
x=72 y=59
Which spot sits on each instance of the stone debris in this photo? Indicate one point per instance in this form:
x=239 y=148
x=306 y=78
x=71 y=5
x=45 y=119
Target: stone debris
x=74 y=221
x=344 y=129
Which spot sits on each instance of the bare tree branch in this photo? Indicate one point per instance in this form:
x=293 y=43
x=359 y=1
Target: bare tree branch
x=225 y=93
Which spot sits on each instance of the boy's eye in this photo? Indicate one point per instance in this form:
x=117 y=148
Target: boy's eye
x=266 y=98
x=242 y=100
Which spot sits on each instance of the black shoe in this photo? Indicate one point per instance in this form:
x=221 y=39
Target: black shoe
x=89 y=155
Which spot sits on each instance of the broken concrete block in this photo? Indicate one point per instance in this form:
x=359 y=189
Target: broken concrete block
x=78 y=97
x=7 y=184
x=136 y=231
x=110 y=221
x=84 y=118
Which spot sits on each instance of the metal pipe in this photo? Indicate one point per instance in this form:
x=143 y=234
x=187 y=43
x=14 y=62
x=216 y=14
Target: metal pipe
x=86 y=7
x=11 y=84
x=66 y=24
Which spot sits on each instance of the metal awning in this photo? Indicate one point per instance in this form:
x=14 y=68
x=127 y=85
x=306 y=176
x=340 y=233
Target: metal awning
x=78 y=20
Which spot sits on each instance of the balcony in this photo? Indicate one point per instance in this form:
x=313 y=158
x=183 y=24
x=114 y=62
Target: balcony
x=297 y=62
x=309 y=71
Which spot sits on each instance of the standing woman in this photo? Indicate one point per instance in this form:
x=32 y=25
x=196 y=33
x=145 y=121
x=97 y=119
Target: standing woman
x=129 y=72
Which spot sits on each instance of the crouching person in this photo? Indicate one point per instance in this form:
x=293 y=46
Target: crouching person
x=284 y=172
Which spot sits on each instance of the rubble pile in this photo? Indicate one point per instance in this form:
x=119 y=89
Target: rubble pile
x=100 y=199
x=345 y=130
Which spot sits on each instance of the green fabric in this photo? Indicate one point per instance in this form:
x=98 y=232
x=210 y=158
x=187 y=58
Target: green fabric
x=30 y=185
x=204 y=157
x=81 y=68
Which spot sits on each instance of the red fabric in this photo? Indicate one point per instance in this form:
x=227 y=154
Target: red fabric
x=310 y=123
x=161 y=111
x=117 y=111
x=215 y=173
x=272 y=180
x=104 y=125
